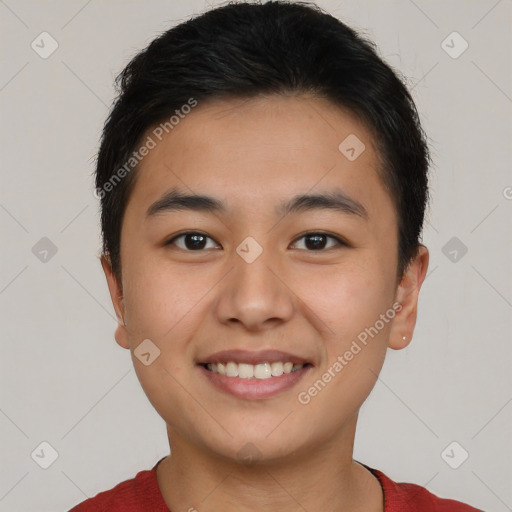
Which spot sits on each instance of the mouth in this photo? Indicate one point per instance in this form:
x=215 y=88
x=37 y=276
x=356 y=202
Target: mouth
x=254 y=375
x=261 y=371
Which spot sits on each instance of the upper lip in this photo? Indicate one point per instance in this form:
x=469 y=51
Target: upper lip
x=253 y=357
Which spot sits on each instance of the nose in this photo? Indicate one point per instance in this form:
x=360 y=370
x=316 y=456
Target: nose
x=255 y=294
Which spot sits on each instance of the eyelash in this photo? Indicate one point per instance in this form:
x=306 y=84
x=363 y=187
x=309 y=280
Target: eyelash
x=340 y=242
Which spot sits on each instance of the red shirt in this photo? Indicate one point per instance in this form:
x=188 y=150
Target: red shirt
x=142 y=494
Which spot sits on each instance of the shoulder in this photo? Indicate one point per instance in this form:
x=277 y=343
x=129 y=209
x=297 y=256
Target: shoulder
x=407 y=497
x=138 y=494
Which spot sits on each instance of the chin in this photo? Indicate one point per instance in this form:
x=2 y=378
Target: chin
x=257 y=447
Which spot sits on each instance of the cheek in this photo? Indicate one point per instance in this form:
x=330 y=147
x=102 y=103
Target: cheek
x=155 y=298
x=351 y=304
x=348 y=298
x=160 y=307
x=163 y=299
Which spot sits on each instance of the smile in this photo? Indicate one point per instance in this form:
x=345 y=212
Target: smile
x=260 y=371
x=254 y=382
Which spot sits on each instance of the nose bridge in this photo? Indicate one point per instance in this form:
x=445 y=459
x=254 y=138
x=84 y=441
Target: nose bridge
x=254 y=292
x=252 y=270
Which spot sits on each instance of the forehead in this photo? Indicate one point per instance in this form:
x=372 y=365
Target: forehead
x=259 y=150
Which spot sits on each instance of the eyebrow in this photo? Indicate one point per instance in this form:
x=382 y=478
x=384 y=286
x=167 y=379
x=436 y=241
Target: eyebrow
x=174 y=200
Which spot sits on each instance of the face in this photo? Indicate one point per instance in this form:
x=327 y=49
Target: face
x=257 y=277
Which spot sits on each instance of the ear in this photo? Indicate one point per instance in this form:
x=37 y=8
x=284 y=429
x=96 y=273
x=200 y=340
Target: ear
x=116 y=294
x=407 y=295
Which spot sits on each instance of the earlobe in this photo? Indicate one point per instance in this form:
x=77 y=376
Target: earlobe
x=407 y=295
x=116 y=295
x=121 y=336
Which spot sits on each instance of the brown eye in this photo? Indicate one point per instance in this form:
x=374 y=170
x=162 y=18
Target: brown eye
x=318 y=241
x=191 y=241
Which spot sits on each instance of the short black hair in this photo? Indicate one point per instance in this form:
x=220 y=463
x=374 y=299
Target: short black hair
x=243 y=50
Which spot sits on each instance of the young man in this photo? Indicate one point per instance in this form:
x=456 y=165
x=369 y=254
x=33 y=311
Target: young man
x=263 y=181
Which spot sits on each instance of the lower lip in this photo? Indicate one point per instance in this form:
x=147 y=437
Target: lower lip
x=254 y=389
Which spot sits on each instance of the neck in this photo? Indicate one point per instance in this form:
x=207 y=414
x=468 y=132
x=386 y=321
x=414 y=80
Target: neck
x=328 y=480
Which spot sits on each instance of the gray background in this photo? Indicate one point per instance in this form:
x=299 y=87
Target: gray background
x=65 y=381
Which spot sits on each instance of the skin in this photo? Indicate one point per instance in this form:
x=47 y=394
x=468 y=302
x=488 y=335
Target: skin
x=252 y=154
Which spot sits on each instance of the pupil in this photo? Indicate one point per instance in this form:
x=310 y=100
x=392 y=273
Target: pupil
x=198 y=243
x=314 y=242
x=319 y=241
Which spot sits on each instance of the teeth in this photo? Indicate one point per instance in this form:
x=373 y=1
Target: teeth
x=262 y=371
x=258 y=371
x=276 y=369
x=232 y=370
x=245 y=371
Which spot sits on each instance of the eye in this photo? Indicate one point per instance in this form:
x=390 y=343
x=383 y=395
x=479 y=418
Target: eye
x=317 y=241
x=193 y=241
x=196 y=241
